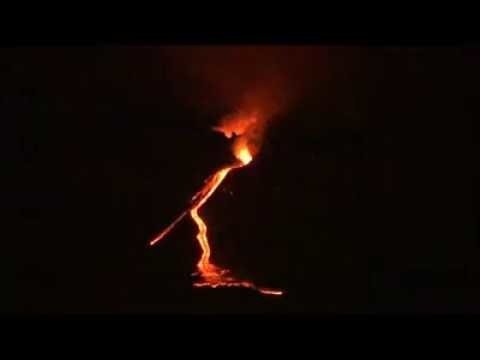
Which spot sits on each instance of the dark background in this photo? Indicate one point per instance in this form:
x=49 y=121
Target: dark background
x=360 y=200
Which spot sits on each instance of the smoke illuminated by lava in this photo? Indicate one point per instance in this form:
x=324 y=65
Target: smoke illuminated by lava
x=210 y=275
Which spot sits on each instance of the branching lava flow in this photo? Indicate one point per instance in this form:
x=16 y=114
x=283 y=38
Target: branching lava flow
x=211 y=275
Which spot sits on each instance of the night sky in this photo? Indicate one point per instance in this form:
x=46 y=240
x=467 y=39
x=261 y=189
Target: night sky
x=360 y=199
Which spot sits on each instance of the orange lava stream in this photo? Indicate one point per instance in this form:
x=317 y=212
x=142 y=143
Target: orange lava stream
x=210 y=274
x=204 y=264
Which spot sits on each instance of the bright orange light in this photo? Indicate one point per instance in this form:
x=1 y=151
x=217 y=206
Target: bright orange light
x=211 y=275
x=244 y=156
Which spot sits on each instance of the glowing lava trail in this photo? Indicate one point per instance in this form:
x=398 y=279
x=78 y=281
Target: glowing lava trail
x=209 y=274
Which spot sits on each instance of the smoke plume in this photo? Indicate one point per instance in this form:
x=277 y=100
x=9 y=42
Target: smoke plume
x=249 y=86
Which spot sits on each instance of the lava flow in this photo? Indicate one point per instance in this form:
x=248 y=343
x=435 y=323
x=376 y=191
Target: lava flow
x=210 y=275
